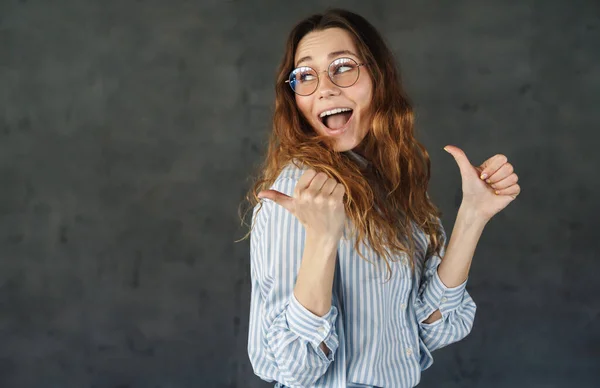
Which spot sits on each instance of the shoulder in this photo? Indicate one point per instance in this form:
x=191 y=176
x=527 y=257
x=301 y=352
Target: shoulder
x=288 y=177
x=292 y=170
x=284 y=183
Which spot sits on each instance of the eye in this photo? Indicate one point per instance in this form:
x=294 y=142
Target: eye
x=303 y=74
x=343 y=65
x=343 y=69
x=306 y=77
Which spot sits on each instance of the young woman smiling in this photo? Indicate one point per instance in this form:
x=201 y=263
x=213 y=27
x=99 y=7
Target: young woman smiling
x=352 y=282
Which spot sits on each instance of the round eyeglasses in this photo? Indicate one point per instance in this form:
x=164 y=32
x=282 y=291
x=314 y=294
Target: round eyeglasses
x=343 y=72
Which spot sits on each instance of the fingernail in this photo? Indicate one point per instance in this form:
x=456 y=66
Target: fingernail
x=484 y=175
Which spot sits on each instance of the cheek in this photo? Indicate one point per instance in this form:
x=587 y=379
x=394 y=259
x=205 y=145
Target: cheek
x=304 y=105
x=367 y=94
x=363 y=95
x=364 y=102
x=364 y=99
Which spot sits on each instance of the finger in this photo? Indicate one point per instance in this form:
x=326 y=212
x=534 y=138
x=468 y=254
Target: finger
x=513 y=191
x=339 y=191
x=329 y=186
x=279 y=198
x=317 y=183
x=461 y=159
x=491 y=165
x=304 y=181
x=504 y=171
x=506 y=182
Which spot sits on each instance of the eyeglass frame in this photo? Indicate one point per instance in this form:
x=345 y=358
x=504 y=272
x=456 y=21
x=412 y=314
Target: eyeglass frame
x=358 y=66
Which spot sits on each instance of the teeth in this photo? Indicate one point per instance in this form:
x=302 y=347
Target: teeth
x=334 y=111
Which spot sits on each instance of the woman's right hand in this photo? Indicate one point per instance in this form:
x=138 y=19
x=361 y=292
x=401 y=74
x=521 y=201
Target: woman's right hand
x=318 y=203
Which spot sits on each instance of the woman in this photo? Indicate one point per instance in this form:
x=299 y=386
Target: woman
x=349 y=288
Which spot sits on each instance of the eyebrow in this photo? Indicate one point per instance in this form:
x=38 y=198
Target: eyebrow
x=330 y=56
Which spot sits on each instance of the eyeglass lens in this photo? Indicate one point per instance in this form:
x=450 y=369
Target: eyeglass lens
x=343 y=72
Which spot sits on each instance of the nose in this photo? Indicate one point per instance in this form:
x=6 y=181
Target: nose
x=326 y=87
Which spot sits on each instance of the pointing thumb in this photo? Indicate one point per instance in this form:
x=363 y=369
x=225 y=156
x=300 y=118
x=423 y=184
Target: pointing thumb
x=461 y=159
x=279 y=198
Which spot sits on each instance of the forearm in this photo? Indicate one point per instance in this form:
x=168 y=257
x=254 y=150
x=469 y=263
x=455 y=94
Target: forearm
x=314 y=283
x=456 y=263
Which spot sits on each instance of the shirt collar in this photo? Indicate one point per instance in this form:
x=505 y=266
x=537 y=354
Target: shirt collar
x=359 y=159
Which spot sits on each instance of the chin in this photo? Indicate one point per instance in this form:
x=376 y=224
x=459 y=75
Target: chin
x=346 y=138
x=343 y=145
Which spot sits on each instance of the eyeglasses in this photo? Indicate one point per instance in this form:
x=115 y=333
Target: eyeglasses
x=343 y=72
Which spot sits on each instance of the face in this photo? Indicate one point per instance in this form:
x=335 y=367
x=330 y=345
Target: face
x=349 y=127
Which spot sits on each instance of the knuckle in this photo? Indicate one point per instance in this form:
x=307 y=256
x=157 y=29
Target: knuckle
x=306 y=196
x=319 y=199
x=308 y=174
x=336 y=198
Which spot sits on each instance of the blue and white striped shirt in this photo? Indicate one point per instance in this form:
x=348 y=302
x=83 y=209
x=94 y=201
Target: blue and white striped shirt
x=374 y=330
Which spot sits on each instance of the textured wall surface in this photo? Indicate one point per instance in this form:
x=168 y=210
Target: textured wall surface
x=129 y=131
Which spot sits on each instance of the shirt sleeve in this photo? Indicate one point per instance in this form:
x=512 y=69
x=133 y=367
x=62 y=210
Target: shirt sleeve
x=455 y=304
x=284 y=336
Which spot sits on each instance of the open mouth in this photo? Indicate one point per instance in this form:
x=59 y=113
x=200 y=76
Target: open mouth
x=336 y=119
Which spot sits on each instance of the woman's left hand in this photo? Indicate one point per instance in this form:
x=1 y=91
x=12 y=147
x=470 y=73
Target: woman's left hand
x=489 y=188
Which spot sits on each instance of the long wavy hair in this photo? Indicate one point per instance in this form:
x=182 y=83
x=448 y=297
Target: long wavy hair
x=397 y=178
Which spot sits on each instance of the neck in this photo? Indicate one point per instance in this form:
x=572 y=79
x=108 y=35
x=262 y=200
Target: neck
x=358 y=158
x=359 y=149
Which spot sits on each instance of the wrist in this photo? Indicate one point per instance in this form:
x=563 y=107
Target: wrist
x=322 y=239
x=470 y=217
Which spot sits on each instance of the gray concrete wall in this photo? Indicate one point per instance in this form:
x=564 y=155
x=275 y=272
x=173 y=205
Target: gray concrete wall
x=128 y=131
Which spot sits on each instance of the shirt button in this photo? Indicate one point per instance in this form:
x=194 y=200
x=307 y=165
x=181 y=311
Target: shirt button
x=403 y=306
x=408 y=351
x=321 y=329
x=444 y=299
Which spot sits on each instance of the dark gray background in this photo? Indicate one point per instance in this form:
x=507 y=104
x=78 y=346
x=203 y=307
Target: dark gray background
x=129 y=131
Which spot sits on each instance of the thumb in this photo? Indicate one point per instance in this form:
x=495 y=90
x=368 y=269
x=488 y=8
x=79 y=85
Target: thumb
x=279 y=198
x=461 y=159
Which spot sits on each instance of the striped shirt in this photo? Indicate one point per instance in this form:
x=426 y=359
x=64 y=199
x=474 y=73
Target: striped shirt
x=375 y=331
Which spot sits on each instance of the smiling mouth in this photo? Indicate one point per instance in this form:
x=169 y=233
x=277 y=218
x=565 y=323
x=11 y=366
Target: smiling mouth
x=336 y=119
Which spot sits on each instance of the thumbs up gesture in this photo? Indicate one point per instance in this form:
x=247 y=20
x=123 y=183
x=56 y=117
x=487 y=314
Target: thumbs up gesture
x=489 y=188
x=318 y=203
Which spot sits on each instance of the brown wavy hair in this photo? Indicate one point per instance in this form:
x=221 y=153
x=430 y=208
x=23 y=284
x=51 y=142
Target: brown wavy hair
x=397 y=178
